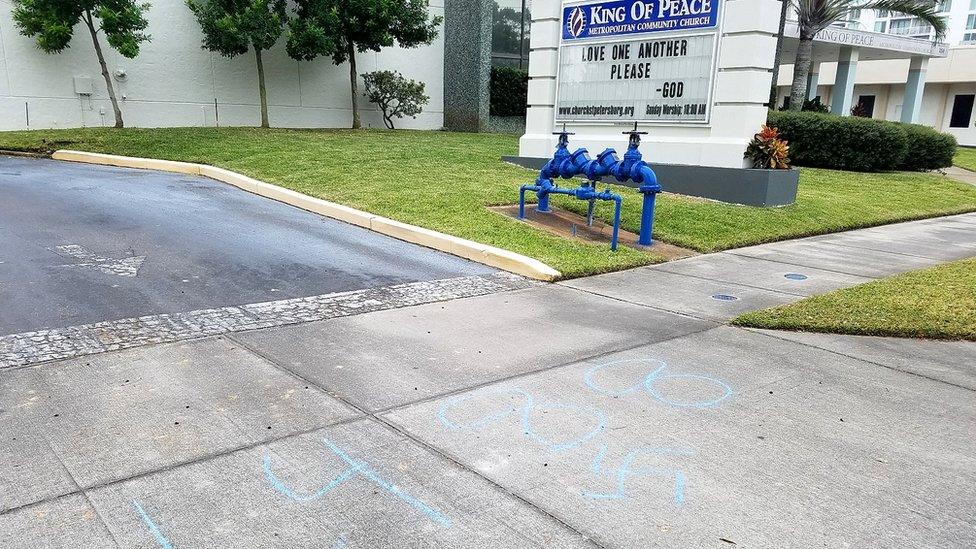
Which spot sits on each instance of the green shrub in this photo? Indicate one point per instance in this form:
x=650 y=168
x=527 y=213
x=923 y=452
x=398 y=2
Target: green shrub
x=841 y=142
x=394 y=95
x=928 y=149
x=861 y=144
x=509 y=91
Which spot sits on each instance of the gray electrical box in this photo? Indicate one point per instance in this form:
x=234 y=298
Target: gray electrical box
x=84 y=85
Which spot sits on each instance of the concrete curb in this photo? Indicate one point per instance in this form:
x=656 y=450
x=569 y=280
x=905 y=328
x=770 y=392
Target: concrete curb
x=479 y=253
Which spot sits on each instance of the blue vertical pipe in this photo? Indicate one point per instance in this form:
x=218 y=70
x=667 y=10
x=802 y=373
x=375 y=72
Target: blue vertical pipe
x=647 y=219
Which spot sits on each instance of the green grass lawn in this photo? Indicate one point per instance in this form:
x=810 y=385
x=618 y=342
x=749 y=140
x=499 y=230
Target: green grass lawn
x=937 y=303
x=444 y=181
x=965 y=158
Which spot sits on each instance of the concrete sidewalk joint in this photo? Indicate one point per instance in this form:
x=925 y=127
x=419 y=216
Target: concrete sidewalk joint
x=74 y=341
x=474 y=251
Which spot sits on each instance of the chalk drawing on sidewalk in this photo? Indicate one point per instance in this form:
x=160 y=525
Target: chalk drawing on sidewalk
x=355 y=468
x=626 y=470
x=153 y=529
x=596 y=420
x=651 y=383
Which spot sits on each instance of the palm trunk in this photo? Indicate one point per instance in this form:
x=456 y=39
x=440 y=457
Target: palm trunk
x=801 y=70
x=87 y=18
x=773 y=88
x=262 y=90
x=354 y=85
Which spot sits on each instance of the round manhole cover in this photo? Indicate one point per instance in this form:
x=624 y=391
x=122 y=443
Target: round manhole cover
x=724 y=297
x=796 y=276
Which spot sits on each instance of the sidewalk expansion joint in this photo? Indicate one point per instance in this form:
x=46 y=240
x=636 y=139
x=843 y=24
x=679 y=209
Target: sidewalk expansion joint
x=17 y=350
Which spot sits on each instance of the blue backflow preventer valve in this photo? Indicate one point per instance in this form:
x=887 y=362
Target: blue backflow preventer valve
x=567 y=165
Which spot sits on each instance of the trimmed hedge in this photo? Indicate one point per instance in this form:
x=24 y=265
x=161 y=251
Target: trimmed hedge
x=509 y=91
x=861 y=144
x=927 y=149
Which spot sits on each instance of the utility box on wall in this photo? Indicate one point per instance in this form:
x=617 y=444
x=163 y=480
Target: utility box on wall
x=695 y=75
x=84 y=86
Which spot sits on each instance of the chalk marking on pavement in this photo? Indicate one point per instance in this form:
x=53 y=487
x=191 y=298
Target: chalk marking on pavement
x=654 y=376
x=527 y=408
x=153 y=529
x=88 y=339
x=360 y=468
x=626 y=470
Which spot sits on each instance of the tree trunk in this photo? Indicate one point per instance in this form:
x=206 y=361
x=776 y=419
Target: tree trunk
x=262 y=90
x=87 y=18
x=773 y=88
x=354 y=86
x=801 y=70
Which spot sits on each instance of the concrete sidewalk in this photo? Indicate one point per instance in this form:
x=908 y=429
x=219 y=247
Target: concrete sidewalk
x=614 y=411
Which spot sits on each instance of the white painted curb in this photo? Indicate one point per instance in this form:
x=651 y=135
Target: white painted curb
x=480 y=253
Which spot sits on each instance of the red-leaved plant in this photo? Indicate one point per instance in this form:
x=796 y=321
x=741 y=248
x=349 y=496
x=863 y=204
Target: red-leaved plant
x=767 y=150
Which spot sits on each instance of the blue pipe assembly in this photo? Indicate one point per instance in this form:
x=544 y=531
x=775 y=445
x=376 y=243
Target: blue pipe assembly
x=568 y=165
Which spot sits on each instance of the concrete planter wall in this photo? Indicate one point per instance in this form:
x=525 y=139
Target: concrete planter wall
x=750 y=187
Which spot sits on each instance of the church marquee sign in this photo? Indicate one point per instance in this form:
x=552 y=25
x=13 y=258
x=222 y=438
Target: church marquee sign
x=637 y=60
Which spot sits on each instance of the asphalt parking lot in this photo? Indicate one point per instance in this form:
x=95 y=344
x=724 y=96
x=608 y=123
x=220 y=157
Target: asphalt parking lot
x=82 y=243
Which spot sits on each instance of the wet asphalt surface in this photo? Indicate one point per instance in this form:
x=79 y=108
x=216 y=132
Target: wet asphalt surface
x=82 y=244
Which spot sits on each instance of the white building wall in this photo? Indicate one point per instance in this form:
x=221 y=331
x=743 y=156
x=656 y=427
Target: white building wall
x=173 y=82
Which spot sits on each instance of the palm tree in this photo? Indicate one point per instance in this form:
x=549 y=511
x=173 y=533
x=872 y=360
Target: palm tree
x=814 y=16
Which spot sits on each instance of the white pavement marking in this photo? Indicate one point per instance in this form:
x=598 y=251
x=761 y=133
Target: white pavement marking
x=122 y=266
x=74 y=341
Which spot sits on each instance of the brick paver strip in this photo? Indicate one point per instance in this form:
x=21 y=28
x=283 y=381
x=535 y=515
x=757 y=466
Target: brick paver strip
x=74 y=341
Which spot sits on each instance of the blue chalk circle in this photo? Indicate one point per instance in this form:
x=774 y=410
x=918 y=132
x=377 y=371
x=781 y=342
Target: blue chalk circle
x=153 y=529
x=526 y=410
x=588 y=377
x=651 y=381
x=626 y=470
x=355 y=468
x=598 y=417
x=795 y=276
x=724 y=297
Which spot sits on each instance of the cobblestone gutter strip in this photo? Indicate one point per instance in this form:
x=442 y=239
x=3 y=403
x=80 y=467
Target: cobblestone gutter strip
x=74 y=341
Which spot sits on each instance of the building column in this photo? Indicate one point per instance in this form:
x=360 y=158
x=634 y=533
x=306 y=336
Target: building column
x=813 y=80
x=843 y=93
x=914 y=88
x=467 y=64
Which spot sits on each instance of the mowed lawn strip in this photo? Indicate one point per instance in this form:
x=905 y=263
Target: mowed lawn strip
x=936 y=303
x=965 y=158
x=444 y=181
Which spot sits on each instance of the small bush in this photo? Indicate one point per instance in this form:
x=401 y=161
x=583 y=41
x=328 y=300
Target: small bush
x=767 y=150
x=509 y=91
x=840 y=142
x=395 y=95
x=928 y=149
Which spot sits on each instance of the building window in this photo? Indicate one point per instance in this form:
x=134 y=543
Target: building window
x=969 y=37
x=510 y=26
x=962 y=111
x=880 y=26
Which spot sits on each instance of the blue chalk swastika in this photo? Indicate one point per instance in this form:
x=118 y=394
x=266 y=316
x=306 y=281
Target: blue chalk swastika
x=652 y=380
x=626 y=470
x=526 y=409
x=355 y=468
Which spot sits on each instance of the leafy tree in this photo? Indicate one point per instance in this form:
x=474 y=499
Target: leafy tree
x=340 y=28
x=395 y=95
x=814 y=16
x=52 y=24
x=231 y=27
